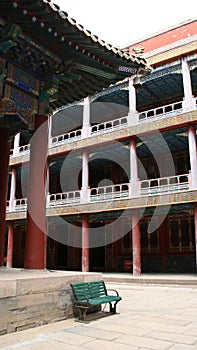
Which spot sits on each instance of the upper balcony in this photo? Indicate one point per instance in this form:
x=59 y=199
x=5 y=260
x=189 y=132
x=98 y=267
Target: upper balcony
x=161 y=99
x=154 y=114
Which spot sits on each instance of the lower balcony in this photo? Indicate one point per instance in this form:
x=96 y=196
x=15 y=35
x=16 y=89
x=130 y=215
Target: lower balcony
x=158 y=187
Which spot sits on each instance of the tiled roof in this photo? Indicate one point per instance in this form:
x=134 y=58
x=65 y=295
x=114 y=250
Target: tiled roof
x=46 y=42
x=95 y=40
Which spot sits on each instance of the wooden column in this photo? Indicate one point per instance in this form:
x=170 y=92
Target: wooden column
x=35 y=250
x=85 y=176
x=10 y=246
x=85 y=244
x=4 y=165
x=16 y=144
x=12 y=190
x=193 y=154
x=133 y=168
x=189 y=102
x=136 y=243
x=195 y=227
x=163 y=230
x=133 y=116
x=86 y=118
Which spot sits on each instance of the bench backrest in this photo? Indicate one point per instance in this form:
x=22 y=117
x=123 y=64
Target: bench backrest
x=90 y=290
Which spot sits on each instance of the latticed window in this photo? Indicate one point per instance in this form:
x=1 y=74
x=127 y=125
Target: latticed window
x=182 y=237
x=149 y=240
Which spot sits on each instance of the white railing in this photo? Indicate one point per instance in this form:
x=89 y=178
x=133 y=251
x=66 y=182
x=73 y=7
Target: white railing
x=109 y=192
x=109 y=126
x=70 y=136
x=196 y=102
x=22 y=150
x=64 y=198
x=160 y=112
x=165 y=184
x=20 y=204
x=147 y=187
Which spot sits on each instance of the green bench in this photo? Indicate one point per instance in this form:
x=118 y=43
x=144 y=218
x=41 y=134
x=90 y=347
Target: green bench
x=90 y=294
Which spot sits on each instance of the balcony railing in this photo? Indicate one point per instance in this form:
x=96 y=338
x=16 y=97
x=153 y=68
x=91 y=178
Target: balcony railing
x=70 y=136
x=165 y=185
x=109 y=192
x=17 y=204
x=145 y=188
x=20 y=151
x=64 y=198
x=160 y=112
x=20 y=204
x=109 y=126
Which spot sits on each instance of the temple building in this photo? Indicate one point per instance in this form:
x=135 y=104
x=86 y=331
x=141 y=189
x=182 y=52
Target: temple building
x=113 y=185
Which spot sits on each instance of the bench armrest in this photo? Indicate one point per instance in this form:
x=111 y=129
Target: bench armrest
x=113 y=290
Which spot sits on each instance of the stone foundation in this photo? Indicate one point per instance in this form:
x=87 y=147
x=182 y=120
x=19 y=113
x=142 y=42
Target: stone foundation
x=33 y=298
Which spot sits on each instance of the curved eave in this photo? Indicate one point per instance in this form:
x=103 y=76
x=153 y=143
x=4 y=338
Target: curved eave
x=49 y=17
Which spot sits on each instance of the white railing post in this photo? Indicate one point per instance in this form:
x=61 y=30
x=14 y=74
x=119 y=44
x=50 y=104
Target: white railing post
x=12 y=190
x=85 y=176
x=189 y=102
x=50 y=131
x=192 y=153
x=86 y=118
x=48 y=200
x=133 y=167
x=16 y=144
x=133 y=116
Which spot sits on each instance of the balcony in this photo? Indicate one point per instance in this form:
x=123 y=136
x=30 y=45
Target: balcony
x=122 y=123
x=109 y=126
x=70 y=136
x=16 y=205
x=65 y=198
x=20 y=151
x=161 y=112
x=145 y=188
x=109 y=192
x=165 y=185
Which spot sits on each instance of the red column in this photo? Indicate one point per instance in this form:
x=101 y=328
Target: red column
x=85 y=244
x=136 y=243
x=35 y=249
x=195 y=227
x=4 y=164
x=192 y=154
x=10 y=244
x=163 y=229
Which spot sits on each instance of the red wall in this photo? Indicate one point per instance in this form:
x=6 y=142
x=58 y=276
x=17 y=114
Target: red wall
x=168 y=37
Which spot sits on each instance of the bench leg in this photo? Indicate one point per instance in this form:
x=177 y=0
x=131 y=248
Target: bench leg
x=82 y=314
x=112 y=308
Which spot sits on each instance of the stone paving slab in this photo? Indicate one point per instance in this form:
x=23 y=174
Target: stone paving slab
x=149 y=317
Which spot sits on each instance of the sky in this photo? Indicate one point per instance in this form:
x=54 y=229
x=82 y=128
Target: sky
x=122 y=22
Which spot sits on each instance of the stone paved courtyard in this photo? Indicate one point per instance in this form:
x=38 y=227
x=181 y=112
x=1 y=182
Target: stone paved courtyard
x=150 y=317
